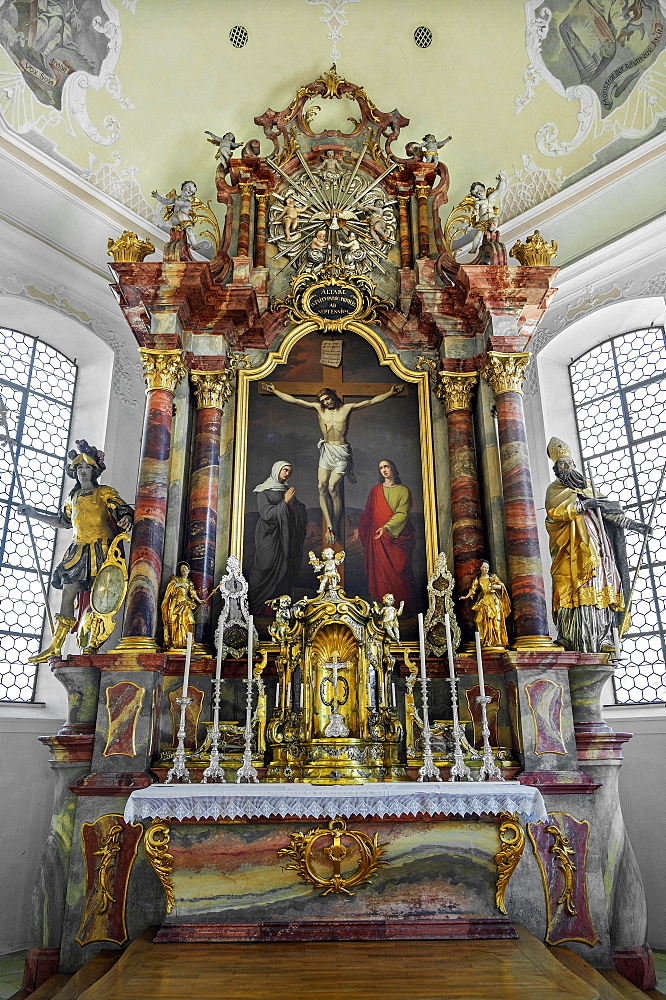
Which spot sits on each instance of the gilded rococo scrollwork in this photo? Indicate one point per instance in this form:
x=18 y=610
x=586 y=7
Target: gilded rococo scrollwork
x=512 y=844
x=156 y=843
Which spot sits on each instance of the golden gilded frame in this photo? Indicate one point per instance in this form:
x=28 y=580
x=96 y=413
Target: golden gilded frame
x=386 y=358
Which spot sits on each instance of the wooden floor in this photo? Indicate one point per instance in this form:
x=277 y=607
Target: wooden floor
x=397 y=970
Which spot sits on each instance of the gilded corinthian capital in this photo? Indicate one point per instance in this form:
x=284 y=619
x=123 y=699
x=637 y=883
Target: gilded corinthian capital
x=505 y=372
x=455 y=389
x=212 y=389
x=162 y=369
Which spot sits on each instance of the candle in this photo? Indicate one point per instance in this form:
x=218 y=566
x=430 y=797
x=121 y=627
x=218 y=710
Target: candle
x=277 y=695
x=218 y=663
x=302 y=690
x=188 y=657
x=250 y=636
x=479 y=663
x=395 y=700
x=616 y=642
x=422 y=647
x=449 y=646
x=288 y=694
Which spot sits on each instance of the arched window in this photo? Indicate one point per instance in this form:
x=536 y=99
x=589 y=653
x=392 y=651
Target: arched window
x=37 y=384
x=619 y=392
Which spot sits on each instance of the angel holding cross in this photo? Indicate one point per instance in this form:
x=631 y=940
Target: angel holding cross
x=335 y=453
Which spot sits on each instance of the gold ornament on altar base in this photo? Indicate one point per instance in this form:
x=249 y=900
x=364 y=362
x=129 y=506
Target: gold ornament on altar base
x=534 y=252
x=129 y=249
x=512 y=844
x=303 y=845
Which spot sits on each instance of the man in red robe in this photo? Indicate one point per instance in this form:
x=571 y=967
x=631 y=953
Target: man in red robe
x=388 y=538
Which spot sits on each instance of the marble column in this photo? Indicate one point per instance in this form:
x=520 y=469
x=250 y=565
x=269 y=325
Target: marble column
x=162 y=371
x=455 y=390
x=404 y=237
x=261 y=199
x=211 y=389
x=422 y=192
x=506 y=374
x=244 y=221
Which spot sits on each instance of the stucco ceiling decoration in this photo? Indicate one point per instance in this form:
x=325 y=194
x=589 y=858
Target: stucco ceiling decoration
x=59 y=56
x=600 y=53
x=333 y=17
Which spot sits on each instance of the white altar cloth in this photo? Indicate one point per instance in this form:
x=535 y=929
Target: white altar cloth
x=383 y=799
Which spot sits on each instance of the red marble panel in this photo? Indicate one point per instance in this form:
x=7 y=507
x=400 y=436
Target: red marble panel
x=545 y=701
x=123 y=705
x=109 y=847
x=560 y=845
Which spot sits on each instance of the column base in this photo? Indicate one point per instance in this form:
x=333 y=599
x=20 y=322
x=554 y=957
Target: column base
x=40 y=965
x=636 y=965
x=536 y=643
x=136 y=644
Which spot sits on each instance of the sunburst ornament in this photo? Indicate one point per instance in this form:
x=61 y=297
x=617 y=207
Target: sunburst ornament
x=329 y=214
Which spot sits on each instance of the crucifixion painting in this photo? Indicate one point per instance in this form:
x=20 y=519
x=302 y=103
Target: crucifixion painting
x=317 y=494
x=336 y=459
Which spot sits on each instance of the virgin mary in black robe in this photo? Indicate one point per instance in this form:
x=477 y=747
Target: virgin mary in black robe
x=278 y=541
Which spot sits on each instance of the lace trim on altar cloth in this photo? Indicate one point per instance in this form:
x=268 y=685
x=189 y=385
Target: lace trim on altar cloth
x=302 y=801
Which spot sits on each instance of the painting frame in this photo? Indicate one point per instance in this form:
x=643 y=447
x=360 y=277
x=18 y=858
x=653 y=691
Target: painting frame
x=386 y=358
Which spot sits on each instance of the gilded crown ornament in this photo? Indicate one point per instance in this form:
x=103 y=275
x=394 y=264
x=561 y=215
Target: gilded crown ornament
x=129 y=249
x=534 y=252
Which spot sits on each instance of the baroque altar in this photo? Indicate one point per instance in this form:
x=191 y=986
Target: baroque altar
x=336 y=366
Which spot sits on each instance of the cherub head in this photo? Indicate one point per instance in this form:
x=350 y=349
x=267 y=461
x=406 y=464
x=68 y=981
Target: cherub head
x=478 y=190
x=284 y=601
x=188 y=189
x=330 y=154
x=389 y=600
x=327 y=554
x=428 y=138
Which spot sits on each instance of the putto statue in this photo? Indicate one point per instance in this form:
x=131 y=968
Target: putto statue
x=96 y=514
x=430 y=147
x=491 y=608
x=178 y=606
x=389 y=615
x=589 y=560
x=326 y=569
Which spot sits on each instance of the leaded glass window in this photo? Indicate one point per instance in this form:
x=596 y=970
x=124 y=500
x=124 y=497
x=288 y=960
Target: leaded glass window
x=619 y=391
x=37 y=384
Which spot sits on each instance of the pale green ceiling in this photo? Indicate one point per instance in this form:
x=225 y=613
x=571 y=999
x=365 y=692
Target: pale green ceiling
x=177 y=68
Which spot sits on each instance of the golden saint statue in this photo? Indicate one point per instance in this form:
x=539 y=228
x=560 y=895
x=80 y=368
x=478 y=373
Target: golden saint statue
x=491 y=607
x=178 y=607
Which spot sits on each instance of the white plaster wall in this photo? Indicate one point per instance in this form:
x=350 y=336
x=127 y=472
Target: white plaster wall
x=54 y=285
x=643 y=800
x=26 y=797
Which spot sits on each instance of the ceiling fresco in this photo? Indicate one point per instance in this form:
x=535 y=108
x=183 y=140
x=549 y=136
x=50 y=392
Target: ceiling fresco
x=122 y=91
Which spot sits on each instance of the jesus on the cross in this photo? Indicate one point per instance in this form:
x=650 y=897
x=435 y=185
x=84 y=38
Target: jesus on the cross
x=335 y=454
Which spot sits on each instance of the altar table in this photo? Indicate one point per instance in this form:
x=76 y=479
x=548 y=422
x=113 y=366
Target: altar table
x=215 y=849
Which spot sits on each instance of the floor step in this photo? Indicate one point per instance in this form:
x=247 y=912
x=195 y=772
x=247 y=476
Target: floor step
x=626 y=989
x=522 y=969
x=46 y=991
x=93 y=970
x=574 y=963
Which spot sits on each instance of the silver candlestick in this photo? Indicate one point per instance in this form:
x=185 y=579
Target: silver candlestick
x=247 y=771
x=429 y=770
x=460 y=768
x=214 y=772
x=489 y=771
x=179 y=771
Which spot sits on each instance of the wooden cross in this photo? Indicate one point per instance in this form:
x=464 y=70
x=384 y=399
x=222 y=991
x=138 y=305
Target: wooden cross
x=332 y=378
